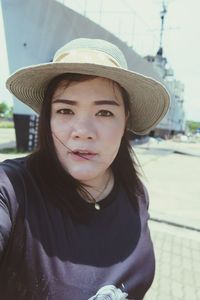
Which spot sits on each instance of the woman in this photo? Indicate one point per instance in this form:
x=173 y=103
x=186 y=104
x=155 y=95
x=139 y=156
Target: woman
x=73 y=215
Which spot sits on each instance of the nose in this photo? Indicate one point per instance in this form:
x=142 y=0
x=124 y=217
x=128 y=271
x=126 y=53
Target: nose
x=83 y=129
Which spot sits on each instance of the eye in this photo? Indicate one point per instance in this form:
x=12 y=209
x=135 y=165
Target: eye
x=105 y=113
x=65 y=111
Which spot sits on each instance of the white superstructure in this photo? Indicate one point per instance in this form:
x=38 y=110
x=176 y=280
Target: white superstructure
x=35 y=29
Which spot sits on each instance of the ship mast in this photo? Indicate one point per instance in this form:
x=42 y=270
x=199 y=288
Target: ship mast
x=162 y=17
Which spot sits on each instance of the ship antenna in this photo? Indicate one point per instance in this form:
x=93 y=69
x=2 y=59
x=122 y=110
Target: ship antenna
x=162 y=17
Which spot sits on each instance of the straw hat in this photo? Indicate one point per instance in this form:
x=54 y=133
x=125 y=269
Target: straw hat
x=149 y=98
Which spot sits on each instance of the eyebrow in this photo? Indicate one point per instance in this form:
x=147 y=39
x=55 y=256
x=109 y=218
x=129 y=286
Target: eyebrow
x=71 y=102
x=97 y=102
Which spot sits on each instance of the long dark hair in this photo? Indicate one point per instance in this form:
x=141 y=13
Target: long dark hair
x=55 y=183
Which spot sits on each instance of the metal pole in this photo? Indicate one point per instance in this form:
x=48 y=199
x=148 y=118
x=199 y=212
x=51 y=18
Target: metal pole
x=163 y=13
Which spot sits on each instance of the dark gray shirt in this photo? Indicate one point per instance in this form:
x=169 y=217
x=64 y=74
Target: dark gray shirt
x=46 y=254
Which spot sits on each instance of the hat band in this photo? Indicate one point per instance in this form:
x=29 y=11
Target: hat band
x=87 y=56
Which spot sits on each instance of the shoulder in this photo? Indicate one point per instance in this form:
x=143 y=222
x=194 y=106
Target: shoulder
x=15 y=163
x=14 y=173
x=144 y=197
x=11 y=197
x=12 y=168
x=12 y=178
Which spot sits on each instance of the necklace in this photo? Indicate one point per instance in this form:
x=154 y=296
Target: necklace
x=97 y=205
x=93 y=200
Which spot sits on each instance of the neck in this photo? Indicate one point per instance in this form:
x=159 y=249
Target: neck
x=99 y=190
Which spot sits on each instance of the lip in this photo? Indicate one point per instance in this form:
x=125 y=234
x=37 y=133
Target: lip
x=82 y=154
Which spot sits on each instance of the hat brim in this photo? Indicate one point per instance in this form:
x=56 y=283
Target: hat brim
x=149 y=98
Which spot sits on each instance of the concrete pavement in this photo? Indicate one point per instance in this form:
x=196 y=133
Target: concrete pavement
x=171 y=174
x=172 y=180
x=177 y=252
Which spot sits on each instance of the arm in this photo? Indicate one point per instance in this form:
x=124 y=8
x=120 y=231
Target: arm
x=5 y=225
x=8 y=207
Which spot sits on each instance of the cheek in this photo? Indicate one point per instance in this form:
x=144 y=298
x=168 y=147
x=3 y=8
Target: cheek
x=115 y=131
x=58 y=147
x=56 y=125
x=112 y=139
x=59 y=129
x=59 y=138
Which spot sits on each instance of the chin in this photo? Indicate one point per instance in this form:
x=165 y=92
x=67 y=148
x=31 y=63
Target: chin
x=83 y=176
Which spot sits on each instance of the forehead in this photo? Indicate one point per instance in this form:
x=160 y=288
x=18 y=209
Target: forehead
x=95 y=86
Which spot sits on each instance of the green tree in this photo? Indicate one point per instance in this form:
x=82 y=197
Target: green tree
x=192 y=125
x=5 y=110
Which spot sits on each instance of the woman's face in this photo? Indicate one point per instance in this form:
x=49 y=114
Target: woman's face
x=87 y=123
